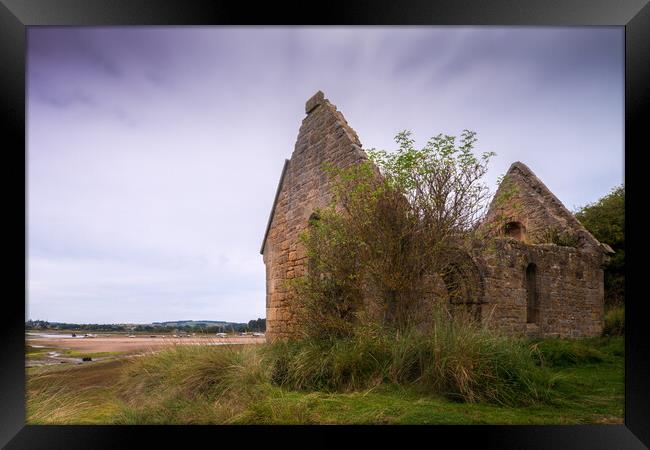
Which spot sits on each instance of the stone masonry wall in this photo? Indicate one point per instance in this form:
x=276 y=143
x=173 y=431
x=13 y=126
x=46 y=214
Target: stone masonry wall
x=569 y=284
x=323 y=137
x=523 y=198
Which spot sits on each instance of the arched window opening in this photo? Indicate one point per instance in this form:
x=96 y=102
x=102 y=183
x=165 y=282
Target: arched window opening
x=313 y=219
x=463 y=287
x=532 y=297
x=515 y=230
x=456 y=288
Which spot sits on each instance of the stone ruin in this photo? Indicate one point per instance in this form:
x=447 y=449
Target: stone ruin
x=539 y=274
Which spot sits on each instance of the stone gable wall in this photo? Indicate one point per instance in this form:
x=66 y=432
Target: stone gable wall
x=523 y=198
x=324 y=136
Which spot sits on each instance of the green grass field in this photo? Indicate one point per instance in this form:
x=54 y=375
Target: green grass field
x=186 y=385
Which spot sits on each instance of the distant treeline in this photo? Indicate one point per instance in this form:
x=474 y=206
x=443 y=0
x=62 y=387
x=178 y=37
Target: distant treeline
x=258 y=325
x=45 y=325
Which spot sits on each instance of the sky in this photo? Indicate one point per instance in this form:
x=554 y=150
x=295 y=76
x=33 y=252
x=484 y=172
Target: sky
x=154 y=153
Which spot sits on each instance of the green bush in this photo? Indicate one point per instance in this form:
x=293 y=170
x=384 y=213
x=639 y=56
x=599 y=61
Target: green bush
x=614 y=322
x=605 y=219
x=565 y=352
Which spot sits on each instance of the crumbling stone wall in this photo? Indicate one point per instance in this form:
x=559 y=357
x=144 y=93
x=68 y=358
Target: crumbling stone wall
x=523 y=199
x=518 y=231
x=568 y=285
x=522 y=223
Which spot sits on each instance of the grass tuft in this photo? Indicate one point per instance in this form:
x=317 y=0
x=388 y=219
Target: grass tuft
x=614 y=322
x=197 y=384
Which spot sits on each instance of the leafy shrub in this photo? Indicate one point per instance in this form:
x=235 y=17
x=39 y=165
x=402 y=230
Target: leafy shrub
x=561 y=238
x=605 y=219
x=614 y=322
x=397 y=222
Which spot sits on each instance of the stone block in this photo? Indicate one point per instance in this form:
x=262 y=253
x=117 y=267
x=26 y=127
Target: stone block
x=314 y=101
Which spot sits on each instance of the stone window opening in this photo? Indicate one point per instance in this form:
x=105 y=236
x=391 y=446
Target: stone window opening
x=313 y=219
x=515 y=230
x=532 y=296
x=461 y=293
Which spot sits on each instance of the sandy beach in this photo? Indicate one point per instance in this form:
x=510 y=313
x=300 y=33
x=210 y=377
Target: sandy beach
x=121 y=343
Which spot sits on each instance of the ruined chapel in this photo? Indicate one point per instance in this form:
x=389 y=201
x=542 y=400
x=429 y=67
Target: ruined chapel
x=529 y=282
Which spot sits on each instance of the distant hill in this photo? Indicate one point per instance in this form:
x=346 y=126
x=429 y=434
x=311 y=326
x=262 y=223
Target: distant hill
x=186 y=325
x=197 y=323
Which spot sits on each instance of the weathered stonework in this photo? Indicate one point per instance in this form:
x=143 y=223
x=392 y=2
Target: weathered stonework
x=528 y=284
x=324 y=136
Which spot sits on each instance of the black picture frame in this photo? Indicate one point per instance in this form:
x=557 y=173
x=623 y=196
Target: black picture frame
x=17 y=15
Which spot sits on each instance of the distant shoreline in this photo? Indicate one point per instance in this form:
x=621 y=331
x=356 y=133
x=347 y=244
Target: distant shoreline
x=121 y=344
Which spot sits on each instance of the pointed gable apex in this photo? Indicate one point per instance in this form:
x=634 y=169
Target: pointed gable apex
x=523 y=202
x=324 y=136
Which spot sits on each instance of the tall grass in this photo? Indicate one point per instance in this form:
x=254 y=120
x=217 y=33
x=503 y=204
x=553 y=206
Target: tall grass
x=296 y=382
x=195 y=370
x=455 y=358
x=195 y=384
x=53 y=399
x=55 y=404
x=246 y=384
x=462 y=361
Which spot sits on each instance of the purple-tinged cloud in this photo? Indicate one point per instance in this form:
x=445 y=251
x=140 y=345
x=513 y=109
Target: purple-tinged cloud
x=154 y=152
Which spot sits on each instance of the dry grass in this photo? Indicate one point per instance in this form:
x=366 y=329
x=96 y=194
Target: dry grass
x=370 y=379
x=456 y=358
x=220 y=382
x=72 y=395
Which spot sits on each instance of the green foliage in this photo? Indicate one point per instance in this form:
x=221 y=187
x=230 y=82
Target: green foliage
x=565 y=352
x=329 y=296
x=605 y=219
x=187 y=326
x=561 y=238
x=45 y=325
x=441 y=181
x=614 y=322
x=394 y=223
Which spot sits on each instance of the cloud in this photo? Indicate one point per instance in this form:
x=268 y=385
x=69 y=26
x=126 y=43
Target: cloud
x=154 y=152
